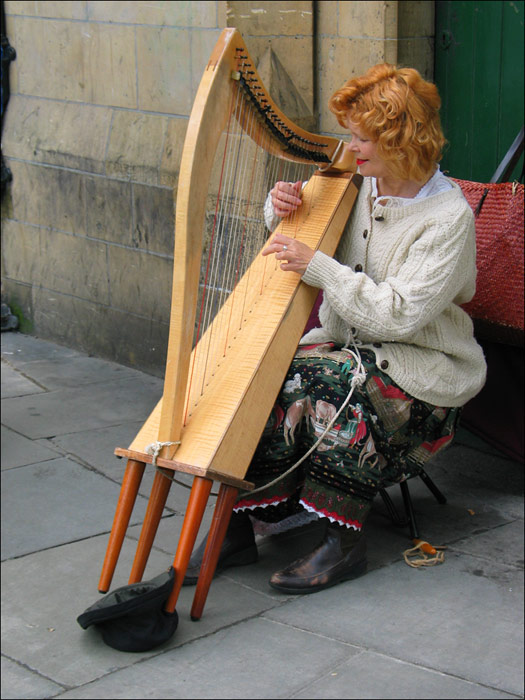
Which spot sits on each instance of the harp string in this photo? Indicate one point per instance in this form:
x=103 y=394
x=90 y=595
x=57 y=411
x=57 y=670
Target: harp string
x=246 y=172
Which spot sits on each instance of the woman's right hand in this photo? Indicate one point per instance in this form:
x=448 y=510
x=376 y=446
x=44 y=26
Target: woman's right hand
x=286 y=197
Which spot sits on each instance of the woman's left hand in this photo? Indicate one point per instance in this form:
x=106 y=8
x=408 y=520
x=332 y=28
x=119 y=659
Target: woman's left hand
x=296 y=255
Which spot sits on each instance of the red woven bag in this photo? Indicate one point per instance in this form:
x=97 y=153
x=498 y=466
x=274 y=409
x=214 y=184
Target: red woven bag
x=497 y=307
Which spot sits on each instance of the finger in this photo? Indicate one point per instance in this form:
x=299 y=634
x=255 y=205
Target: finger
x=287 y=193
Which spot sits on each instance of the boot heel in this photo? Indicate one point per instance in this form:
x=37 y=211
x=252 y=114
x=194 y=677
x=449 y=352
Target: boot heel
x=247 y=556
x=359 y=569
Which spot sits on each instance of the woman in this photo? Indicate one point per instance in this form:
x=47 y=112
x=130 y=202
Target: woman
x=405 y=263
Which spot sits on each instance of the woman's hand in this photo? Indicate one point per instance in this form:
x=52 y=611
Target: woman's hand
x=296 y=254
x=286 y=197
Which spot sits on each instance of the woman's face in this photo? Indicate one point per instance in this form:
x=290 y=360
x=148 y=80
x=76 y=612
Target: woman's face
x=367 y=158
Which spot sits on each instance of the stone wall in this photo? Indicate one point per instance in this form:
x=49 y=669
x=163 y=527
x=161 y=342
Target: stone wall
x=100 y=97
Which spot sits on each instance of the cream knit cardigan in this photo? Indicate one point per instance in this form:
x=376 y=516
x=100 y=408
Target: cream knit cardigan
x=416 y=264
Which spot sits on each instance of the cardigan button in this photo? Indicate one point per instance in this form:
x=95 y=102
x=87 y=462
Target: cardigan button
x=379 y=218
x=384 y=364
x=353 y=330
x=377 y=345
x=358 y=268
x=365 y=233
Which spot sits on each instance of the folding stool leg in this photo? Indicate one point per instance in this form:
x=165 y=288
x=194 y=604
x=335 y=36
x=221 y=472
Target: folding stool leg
x=198 y=499
x=221 y=518
x=412 y=524
x=157 y=500
x=440 y=498
x=128 y=495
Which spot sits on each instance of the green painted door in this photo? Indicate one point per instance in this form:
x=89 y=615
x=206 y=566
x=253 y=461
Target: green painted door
x=479 y=72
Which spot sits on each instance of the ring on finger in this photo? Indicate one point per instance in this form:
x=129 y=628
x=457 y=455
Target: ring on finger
x=285 y=247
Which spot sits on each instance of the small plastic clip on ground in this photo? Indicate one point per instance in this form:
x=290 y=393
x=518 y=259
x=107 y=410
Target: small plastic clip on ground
x=419 y=554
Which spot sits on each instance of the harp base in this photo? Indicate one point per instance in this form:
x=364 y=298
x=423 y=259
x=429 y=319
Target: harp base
x=185 y=468
x=201 y=488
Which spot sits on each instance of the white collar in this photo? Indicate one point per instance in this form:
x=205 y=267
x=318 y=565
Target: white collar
x=438 y=183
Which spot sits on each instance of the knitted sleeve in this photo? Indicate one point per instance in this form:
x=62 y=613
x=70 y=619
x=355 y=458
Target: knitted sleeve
x=439 y=268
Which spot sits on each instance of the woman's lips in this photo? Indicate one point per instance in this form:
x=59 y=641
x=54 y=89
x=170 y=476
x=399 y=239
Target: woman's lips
x=360 y=161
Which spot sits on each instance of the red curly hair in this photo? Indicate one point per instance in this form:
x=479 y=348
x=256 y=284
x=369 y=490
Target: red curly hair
x=399 y=110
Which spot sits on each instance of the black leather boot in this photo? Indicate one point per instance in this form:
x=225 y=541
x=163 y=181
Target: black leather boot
x=238 y=549
x=332 y=561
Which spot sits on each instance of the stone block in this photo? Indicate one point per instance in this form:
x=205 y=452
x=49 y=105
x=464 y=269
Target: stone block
x=275 y=19
x=136 y=146
x=368 y=19
x=164 y=70
x=20 y=7
x=327 y=18
x=56 y=133
x=205 y=14
x=295 y=55
x=47 y=196
x=153 y=219
x=140 y=283
x=417 y=53
x=135 y=341
x=172 y=152
x=108 y=209
x=416 y=19
x=341 y=59
x=21 y=259
x=109 y=64
x=202 y=44
x=169 y=14
x=73 y=265
x=63 y=9
x=49 y=58
x=76 y=61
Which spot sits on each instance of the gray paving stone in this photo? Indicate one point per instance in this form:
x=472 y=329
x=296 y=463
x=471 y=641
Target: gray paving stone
x=53 y=502
x=55 y=367
x=20 y=682
x=77 y=409
x=96 y=448
x=503 y=545
x=370 y=675
x=15 y=384
x=264 y=660
x=444 y=617
x=455 y=630
x=43 y=594
x=18 y=451
x=21 y=349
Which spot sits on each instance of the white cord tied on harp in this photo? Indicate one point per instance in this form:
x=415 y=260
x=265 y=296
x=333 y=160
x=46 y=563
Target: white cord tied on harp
x=154 y=449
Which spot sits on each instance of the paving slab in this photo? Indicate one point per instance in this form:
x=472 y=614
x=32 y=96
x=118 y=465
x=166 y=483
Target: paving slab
x=54 y=502
x=43 y=594
x=20 y=682
x=264 y=659
x=370 y=675
x=444 y=617
x=15 y=384
x=19 y=451
x=57 y=367
x=96 y=448
x=503 y=545
x=454 y=630
x=73 y=410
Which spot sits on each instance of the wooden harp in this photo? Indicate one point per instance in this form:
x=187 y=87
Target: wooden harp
x=222 y=379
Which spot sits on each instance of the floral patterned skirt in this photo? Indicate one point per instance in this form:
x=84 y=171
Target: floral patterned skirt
x=382 y=436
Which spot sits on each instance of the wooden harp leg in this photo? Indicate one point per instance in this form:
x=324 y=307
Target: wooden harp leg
x=157 y=500
x=221 y=518
x=128 y=495
x=198 y=499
